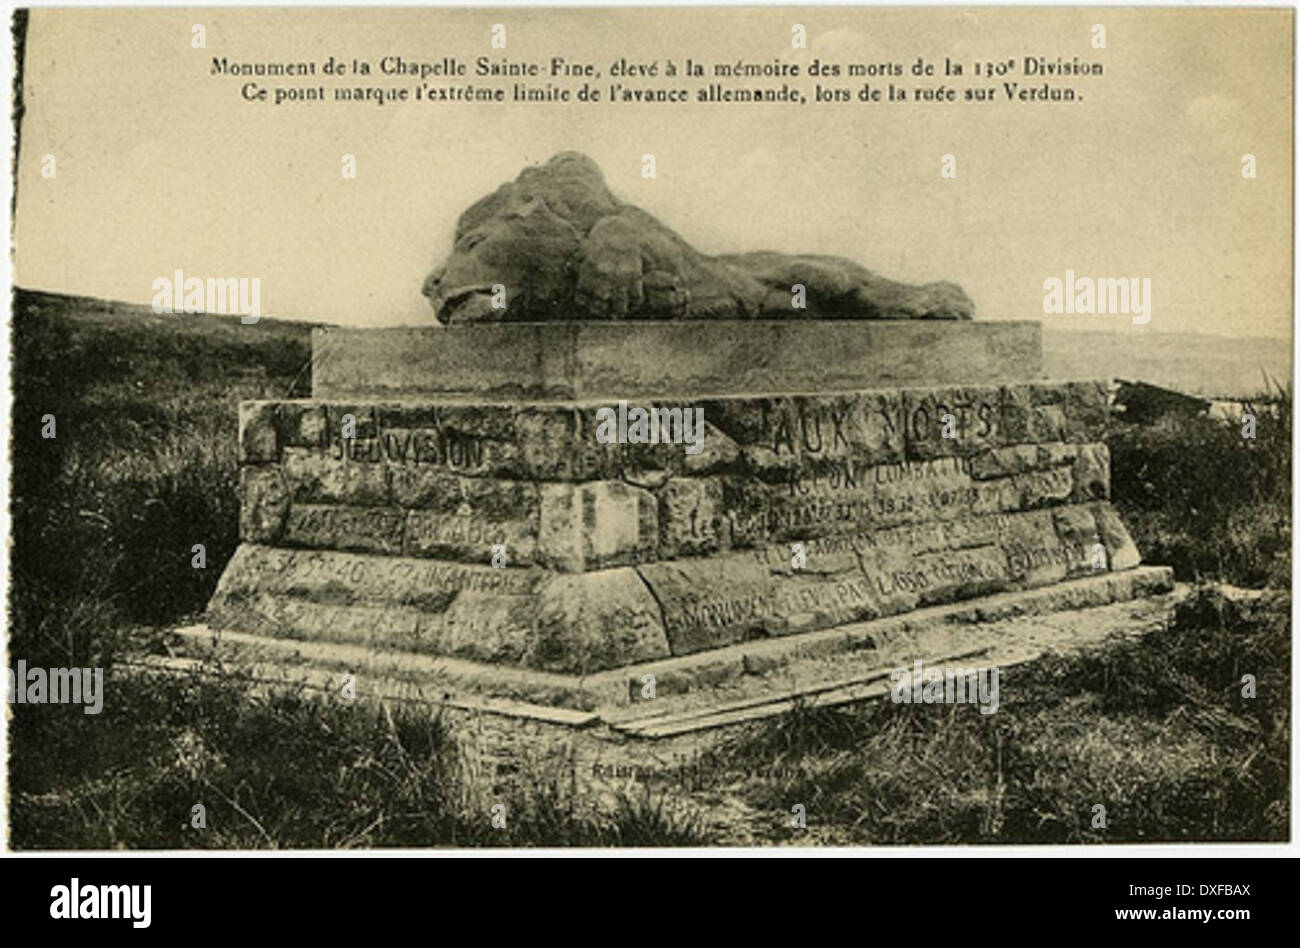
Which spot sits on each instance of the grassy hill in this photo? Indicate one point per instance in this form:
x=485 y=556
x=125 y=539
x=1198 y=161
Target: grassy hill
x=142 y=465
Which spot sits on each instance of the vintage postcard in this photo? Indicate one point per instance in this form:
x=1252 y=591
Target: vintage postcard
x=684 y=427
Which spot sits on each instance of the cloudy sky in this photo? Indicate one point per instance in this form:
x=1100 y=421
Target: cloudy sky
x=161 y=166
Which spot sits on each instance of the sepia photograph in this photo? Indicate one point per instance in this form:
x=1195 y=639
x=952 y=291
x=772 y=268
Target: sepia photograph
x=733 y=428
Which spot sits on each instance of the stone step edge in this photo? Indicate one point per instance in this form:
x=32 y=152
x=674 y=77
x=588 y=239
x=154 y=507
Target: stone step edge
x=655 y=721
x=434 y=672
x=464 y=399
x=860 y=686
x=613 y=689
x=999 y=641
x=719 y=664
x=329 y=682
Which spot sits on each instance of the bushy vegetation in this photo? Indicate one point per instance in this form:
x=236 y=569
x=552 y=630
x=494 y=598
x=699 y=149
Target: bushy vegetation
x=1200 y=497
x=105 y=516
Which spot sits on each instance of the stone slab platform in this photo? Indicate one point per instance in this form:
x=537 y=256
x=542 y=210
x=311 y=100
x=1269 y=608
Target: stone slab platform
x=640 y=359
x=691 y=681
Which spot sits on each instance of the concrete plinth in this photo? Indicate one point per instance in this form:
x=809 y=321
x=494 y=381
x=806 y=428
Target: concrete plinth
x=637 y=359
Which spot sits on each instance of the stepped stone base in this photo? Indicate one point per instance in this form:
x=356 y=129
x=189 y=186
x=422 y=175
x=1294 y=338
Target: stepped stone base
x=702 y=678
x=507 y=532
x=601 y=737
x=449 y=513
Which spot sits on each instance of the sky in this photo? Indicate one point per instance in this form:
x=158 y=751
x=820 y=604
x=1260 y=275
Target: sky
x=162 y=166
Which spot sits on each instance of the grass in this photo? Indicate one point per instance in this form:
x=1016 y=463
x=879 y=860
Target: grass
x=105 y=516
x=1155 y=731
x=142 y=465
x=280 y=772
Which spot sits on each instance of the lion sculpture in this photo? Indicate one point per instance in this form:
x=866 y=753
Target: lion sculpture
x=555 y=244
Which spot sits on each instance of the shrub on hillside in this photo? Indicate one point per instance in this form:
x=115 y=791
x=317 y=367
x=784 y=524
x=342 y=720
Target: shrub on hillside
x=1201 y=498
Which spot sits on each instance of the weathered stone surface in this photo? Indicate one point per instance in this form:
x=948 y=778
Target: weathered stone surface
x=718 y=453
x=1035 y=489
x=1054 y=412
x=584 y=621
x=351 y=421
x=381 y=602
x=475 y=439
x=974 y=412
x=709 y=603
x=1050 y=547
x=595 y=621
x=303 y=424
x=1115 y=537
x=326 y=621
x=905 y=580
x=690 y=517
x=559 y=443
x=264 y=504
x=258 y=440
x=573 y=623
x=424 y=487
x=1003 y=462
x=363 y=529
x=701 y=359
x=776 y=436
x=1090 y=472
x=597 y=524
x=802 y=471
x=486 y=626
x=772 y=439
x=351 y=578
x=729 y=598
x=523 y=617
x=914 y=492
x=1087 y=410
x=1025 y=420
x=314 y=477
x=468 y=516
x=562 y=247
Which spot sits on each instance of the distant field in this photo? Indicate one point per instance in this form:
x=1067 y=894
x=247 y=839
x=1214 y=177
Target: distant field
x=1213 y=366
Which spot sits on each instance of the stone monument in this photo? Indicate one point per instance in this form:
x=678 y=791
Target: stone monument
x=537 y=519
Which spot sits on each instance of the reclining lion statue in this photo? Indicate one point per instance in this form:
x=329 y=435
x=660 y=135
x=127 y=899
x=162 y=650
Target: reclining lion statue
x=562 y=247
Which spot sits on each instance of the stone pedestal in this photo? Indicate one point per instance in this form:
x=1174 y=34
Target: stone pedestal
x=476 y=516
